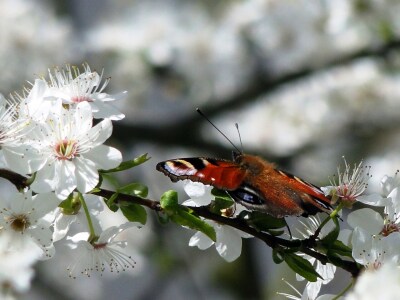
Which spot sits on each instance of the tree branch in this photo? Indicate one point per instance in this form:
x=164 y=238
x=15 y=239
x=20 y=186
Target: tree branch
x=203 y=211
x=240 y=224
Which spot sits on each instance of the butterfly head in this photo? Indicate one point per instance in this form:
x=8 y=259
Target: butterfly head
x=237 y=156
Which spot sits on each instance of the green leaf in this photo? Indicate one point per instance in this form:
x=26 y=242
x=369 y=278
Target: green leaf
x=134 y=213
x=341 y=249
x=169 y=200
x=110 y=178
x=334 y=258
x=111 y=202
x=222 y=201
x=221 y=194
x=125 y=165
x=134 y=188
x=301 y=266
x=276 y=232
x=185 y=218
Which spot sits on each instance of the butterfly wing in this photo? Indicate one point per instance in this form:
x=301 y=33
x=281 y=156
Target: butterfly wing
x=222 y=174
x=312 y=198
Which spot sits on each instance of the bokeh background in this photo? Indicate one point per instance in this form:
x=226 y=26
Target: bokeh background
x=307 y=82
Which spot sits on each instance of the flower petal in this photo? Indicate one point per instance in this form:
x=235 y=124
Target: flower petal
x=45 y=180
x=83 y=116
x=229 y=243
x=67 y=180
x=101 y=132
x=104 y=157
x=62 y=225
x=366 y=218
x=86 y=174
x=106 y=110
x=201 y=241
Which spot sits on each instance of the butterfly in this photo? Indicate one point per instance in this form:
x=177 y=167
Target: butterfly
x=253 y=182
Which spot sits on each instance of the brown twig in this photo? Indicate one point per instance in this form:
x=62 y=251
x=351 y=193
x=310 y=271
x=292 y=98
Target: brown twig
x=240 y=224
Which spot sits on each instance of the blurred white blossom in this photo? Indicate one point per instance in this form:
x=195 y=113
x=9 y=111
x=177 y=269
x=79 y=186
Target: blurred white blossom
x=16 y=267
x=383 y=283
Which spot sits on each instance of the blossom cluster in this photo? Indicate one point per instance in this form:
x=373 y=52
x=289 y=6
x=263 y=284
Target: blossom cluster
x=52 y=136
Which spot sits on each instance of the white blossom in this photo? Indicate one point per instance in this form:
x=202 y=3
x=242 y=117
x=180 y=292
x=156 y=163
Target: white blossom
x=73 y=87
x=351 y=184
x=71 y=151
x=305 y=295
x=228 y=242
x=383 y=283
x=22 y=217
x=13 y=131
x=228 y=239
x=327 y=271
x=63 y=220
x=200 y=194
x=101 y=253
x=373 y=251
x=375 y=236
x=16 y=270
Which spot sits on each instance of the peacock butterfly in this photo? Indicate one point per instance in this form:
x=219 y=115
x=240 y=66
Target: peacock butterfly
x=251 y=181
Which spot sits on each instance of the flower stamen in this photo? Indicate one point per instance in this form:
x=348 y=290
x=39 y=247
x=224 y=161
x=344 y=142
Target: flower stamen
x=351 y=183
x=66 y=149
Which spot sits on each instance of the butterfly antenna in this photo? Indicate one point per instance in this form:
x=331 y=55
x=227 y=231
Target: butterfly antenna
x=240 y=137
x=223 y=134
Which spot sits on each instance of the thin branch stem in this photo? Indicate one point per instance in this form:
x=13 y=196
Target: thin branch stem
x=270 y=240
x=88 y=217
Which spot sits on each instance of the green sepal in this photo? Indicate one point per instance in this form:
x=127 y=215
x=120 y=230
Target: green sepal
x=70 y=206
x=301 y=266
x=111 y=202
x=126 y=165
x=183 y=217
x=163 y=218
x=134 y=212
x=134 y=188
